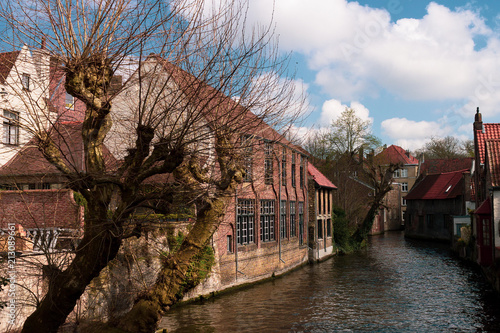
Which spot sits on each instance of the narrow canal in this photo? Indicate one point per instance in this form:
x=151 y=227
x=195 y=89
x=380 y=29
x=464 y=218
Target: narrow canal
x=395 y=285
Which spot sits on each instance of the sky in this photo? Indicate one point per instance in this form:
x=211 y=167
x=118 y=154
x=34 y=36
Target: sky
x=416 y=69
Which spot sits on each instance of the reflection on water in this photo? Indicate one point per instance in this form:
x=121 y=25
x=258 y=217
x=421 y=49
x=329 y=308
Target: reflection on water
x=395 y=285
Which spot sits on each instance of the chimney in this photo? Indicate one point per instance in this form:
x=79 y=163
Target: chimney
x=478 y=121
x=44 y=42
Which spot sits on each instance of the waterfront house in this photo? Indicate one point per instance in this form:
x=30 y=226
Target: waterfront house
x=321 y=243
x=404 y=178
x=486 y=182
x=433 y=202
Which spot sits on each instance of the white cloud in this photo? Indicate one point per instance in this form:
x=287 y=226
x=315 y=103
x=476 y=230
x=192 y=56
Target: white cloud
x=420 y=132
x=333 y=108
x=357 y=50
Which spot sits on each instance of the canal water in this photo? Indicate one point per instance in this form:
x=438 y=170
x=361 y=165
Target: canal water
x=395 y=285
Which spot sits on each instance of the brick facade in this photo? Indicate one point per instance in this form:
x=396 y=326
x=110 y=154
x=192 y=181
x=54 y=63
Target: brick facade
x=258 y=252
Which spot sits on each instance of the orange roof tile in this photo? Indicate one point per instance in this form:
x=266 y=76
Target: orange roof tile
x=489 y=132
x=493 y=160
x=397 y=155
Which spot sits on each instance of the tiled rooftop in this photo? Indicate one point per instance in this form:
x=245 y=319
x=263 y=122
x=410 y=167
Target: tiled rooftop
x=397 y=155
x=438 y=186
x=318 y=177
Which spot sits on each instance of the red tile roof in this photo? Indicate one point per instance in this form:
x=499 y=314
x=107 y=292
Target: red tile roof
x=438 y=186
x=68 y=137
x=396 y=155
x=442 y=165
x=217 y=108
x=493 y=161
x=318 y=177
x=489 y=132
x=7 y=61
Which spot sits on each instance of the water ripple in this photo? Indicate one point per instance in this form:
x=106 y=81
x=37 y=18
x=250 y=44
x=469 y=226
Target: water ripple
x=394 y=286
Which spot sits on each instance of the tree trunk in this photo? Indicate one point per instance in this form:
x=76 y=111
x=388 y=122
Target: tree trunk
x=169 y=286
x=99 y=245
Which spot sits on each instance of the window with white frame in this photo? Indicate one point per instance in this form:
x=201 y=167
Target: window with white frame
x=293 y=220
x=283 y=219
x=10 y=127
x=268 y=163
x=246 y=221
x=283 y=167
x=301 y=222
x=404 y=173
x=246 y=144
x=267 y=220
x=404 y=187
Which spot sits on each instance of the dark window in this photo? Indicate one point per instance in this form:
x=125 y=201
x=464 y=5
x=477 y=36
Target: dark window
x=318 y=208
x=430 y=221
x=10 y=128
x=283 y=167
x=328 y=204
x=293 y=169
x=293 y=220
x=301 y=171
x=301 y=223
x=229 y=243
x=329 y=228
x=283 y=219
x=268 y=163
x=267 y=220
x=320 y=229
x=247 y=157
x=246 y=221
x=26 y=81
x=486 y=232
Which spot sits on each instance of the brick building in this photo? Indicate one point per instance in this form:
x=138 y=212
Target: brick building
x=265 y=229
x=403 y=180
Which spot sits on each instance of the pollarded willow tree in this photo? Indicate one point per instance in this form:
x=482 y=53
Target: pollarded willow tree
x=173 y=123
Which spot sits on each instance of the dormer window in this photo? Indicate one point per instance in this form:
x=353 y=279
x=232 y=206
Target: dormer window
x=26 y=81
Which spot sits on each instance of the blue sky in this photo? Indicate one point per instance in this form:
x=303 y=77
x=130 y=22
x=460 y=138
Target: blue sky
x=416 y=69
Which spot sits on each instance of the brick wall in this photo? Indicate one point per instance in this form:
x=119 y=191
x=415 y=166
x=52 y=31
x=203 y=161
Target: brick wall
x=253 y=261
x=40 y=209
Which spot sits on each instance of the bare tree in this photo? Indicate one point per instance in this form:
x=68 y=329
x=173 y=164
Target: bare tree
x=447 y=147
x=340 y=155
x=349 y=134
x=183 y=65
